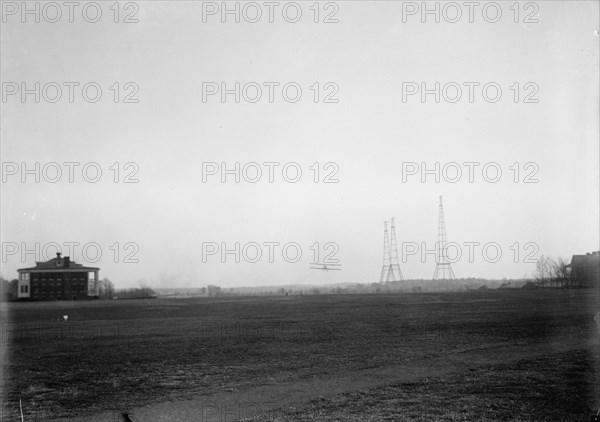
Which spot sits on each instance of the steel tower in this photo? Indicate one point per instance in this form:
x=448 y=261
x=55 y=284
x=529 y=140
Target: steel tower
x=391 y=264
x=443 y=270
x=386 y=254
x=395 y=274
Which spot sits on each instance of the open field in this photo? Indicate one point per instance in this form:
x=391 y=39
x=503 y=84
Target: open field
x=480 y=355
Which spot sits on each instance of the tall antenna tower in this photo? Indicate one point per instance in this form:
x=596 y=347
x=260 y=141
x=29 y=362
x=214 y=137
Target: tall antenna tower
x=395 y=274
x=443 y=270
x=391 y=264
x=386 y=254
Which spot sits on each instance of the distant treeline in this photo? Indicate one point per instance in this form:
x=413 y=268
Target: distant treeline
x=106 y=290
x=415 y=286
x=135 y=293
x=554 y=280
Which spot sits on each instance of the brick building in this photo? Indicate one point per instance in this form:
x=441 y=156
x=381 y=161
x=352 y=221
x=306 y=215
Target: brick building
x=58 y=279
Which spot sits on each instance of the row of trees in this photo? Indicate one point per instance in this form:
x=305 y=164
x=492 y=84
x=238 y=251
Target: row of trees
x=106 y=290
x=553 y=272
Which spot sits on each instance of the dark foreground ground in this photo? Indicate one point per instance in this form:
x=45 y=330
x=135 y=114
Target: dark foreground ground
x=489 y=355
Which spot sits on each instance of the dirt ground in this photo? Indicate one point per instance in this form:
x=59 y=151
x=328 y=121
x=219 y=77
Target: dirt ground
x=491 y=355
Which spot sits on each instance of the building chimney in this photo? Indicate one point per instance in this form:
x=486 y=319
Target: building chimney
x=58 y=255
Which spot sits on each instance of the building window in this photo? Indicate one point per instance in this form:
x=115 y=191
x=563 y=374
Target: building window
x=24 y=288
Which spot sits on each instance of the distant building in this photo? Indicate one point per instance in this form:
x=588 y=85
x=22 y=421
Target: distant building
x=585 y=270
x=58 y=279
x=530 y=285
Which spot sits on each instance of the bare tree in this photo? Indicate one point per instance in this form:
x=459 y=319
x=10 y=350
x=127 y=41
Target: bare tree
x=106 y=289
x=559 y=272
x=213 y=290
x=552 y=272
x=144 y=287
x=542 y=271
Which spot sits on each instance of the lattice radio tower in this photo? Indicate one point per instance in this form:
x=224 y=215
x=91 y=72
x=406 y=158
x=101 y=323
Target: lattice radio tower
x=391 y=264
x=443 y=270
x=386 y=254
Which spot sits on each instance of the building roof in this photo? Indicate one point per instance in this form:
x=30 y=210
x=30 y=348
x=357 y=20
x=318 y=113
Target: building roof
x=587 y=259
x=58 y=264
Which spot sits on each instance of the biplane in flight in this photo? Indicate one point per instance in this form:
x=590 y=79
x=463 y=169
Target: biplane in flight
x=325 y=267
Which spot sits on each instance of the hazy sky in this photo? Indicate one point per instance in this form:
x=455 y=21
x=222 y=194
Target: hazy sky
x=371 y=56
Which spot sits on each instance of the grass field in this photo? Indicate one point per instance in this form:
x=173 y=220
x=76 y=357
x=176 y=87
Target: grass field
x=480 y=355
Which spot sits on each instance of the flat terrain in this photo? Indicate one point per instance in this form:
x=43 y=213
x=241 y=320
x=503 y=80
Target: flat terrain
x=479 y=355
